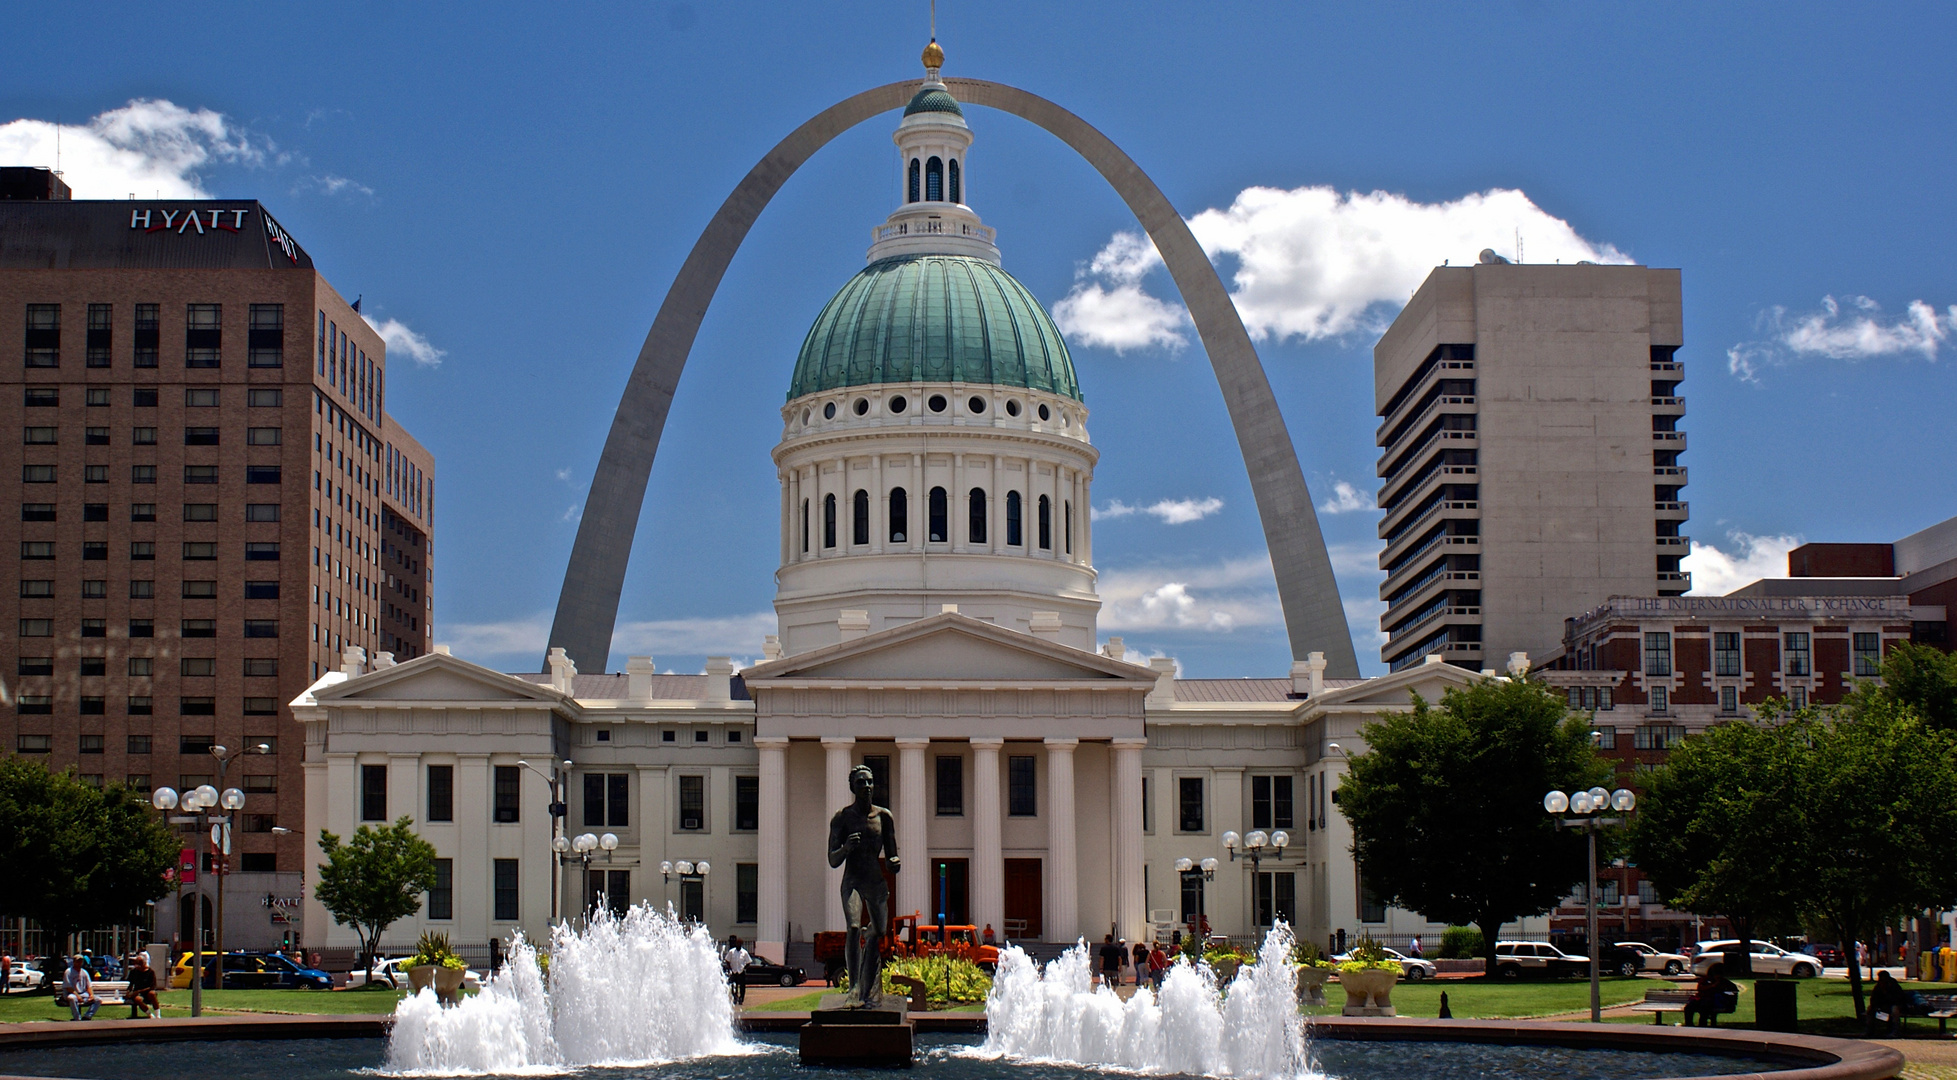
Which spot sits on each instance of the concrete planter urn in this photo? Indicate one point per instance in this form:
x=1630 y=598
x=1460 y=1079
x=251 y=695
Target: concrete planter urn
x=1369 y=992
x=1226 y=969
x=446 y=981
x=1311 y=983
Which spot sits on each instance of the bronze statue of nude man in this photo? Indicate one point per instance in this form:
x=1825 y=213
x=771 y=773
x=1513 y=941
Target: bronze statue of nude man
x=858 y=834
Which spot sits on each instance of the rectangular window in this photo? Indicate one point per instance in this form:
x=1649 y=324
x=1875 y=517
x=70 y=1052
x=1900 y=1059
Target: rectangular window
x=1729 y=699
x=95 y=551
x=951 y=786
x=1189 y=804
x=95 y=436
x=200 y=511
x=747 y=804
x=605 y=799
x=200 y=474
x=202 y=335
x=148 y=336
x=261 y=666
x=199 y=590
x=1372 y=909
x=1606 y=738
x=261 y=474
x=205 y=398
x=95 y=511
x=747 y=892
x=1277 y=897
x=197 y=667
x=37 y=474
x=101 y=334
x=261 y=628
x=95 y=474
x=199 y=551
x=879 y=766
x=1798 y=697
x=37 y=511
x=1661 y=699
x=43 y=335
x=142 y=551
x=95 y=628
x=200 y=436
x=506 y=889
x=1868 y=655
x=36 y=587
x=92 y=705
x=261 y=590
x=140 y=705
x=197 y=706
x=509 y=794
x=441 y=793
x=262 y=551
x=94 y=665
x=261 y=783
x=261 y=706
x=138 y=782
x=142 y=628
x=142 y=511
x=261 y=511
x=142 y=436
x=36 y=665
x=37 y=549
x=1799 y=659
x=1726 y=654
x=142 y=474
x=265 y=340
x=1022 y=792
x=693 y=803
x=264 y=399
x=441 y=898
x=1658 y=654
x=262 y=436
x=139 y=744
x=39 y=436
x=195 y=745
x=43 y=397
x=36 y=628
x=373 y=793
x=33 y=744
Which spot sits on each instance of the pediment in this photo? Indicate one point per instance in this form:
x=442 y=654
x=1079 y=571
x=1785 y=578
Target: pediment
x=946 y=648
x=1430 y=681
x=437 y=677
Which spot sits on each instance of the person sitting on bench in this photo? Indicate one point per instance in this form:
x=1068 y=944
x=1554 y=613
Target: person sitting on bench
x=1716 y=994
x=1886 y=1005
x=142 y=988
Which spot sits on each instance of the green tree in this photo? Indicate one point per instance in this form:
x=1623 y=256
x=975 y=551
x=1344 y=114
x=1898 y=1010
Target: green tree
x=1925 y=680
x=374 y=880
x=1446 y=805
x=73 y=857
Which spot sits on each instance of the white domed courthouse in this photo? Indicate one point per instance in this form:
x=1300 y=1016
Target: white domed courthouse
x=937 y=605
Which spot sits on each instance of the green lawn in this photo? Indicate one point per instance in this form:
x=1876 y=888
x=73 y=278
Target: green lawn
x=1825 y=1006
x=1479 y=998
x=18 y=1007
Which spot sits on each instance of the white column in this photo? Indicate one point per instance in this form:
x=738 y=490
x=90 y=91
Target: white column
x=1130 y=914
x=837 y=761
x=771 y=922
x=1062 y=915
x=988 y=876
x=913 y=843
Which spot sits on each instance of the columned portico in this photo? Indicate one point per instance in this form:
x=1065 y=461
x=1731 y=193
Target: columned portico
x=771 y=915
x=988 y=875
x=836 y=767
x=1062 y=861
x=1130 y=899
x=914 y=884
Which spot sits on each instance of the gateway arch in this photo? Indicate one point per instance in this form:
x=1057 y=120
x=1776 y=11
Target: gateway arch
x=587 y=607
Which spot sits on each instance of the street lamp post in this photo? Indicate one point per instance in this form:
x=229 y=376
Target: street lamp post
x=198 y=802
x=1205 y=869
x=554 y=782
x=696 y=870
x=580 y=847
x=232 y=800
x=1584 y=806
x=1255 y=843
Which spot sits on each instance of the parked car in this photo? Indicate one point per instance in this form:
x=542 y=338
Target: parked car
x=1829 y=955
x=1412 y=968
x=763 y=973
x=1651 y=959
x=23 y=976
x=1514 y=959
x=397 y=967
x=1767 y=959
x=271 y=971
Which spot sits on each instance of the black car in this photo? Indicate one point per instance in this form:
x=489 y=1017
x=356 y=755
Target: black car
x=269 y=971
x=763 y=973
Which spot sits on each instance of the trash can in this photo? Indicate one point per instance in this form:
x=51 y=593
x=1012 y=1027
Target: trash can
x=1773 y=1007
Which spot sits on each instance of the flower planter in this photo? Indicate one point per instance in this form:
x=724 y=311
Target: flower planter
x=1311 y=984
x=1226 y=969
x=447 y=982
x=1369 y=992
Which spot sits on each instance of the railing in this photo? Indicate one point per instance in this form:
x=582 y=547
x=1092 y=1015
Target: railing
x=1379 y=437
x=1416 y=485
x=1403 y=630
x=1678 y=506
x=1668 y=365
x=1438 y=433
x=935 y=227
x=1684 y=576
x=1668 y=470
x=1678 y=401
x=1419 y=384
x=1413 y=522
x=1419 y=655
x=1668 y=436
x=1674 y=541
x=1442 y=538
x=1438 y=570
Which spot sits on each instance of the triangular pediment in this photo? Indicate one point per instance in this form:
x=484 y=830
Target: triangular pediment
x=949 y=647
x=1430 y=681
x=437 y=677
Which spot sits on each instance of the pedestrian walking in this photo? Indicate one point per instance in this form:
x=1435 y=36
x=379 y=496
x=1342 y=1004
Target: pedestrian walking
x=80 y=989
x=142 y=989
x=988 y=937
x=1413 y=947
x=6 y=973
x=1141 y=961
x=737 y=960
x=1110 y=961
x=1158 y=966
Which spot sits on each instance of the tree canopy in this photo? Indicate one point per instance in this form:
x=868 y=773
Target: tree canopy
x=1923 y=679
x=374 y=880
x=1446 y=805
x=74 y=857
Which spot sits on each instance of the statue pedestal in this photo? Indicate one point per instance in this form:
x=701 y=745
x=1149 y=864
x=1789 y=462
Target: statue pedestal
x=877 y=1037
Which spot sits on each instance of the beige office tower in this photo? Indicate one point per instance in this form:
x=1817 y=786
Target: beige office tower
x=1529 y=455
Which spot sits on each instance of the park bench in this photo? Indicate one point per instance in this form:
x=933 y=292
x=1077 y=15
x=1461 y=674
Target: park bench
x=1660 y=1002
x=107 y=992
x=1938 y=1007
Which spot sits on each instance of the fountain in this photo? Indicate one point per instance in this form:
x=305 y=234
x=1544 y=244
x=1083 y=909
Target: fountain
x=628 y=989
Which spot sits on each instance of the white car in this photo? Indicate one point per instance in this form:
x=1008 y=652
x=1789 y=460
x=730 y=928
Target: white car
x=1411 y=969
x=396 y=967
x=1668 y=963
x=23 y=976
x=1767 y=959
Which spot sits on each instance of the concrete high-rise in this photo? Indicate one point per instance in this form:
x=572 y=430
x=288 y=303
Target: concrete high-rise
x=213 y=503
x=1529 y=461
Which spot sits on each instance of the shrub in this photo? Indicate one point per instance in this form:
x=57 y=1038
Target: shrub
x=433 y=948
x=1368 y=955
x=1461 y=943
x=947 y=980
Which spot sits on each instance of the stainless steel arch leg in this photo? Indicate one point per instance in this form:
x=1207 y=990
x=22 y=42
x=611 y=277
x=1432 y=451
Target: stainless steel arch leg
x=587 y=608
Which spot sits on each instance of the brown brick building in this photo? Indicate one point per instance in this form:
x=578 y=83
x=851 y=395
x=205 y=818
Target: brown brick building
x=213 y=504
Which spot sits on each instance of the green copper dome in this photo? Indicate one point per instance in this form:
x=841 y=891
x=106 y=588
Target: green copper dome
x=933 y=99
x=934 y=318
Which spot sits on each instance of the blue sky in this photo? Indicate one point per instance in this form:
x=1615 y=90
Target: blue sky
x=514 y=188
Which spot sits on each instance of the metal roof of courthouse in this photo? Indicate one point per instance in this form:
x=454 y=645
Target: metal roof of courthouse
x=613 y=687
x=933 y=99
x=1248 y=690
x=934 y=318
x=145 y=234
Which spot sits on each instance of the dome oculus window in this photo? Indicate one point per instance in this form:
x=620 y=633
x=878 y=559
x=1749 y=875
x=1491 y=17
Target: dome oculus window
x=862 y=406
x=1045 y=413
x=898 y=404
x=976 y=405
x=937 y=403
x=829 y=411
x=1012 y=408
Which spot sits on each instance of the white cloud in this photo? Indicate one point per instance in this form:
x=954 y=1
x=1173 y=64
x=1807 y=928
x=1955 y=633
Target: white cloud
x=1362 y=617
x=1313 y=263
x=1170 y=511
x=1359 y=560
x=330 y=184
x=1716 y=573
x=149 y=148
x=521 y=641
x=1217 y=598
x=405 y=342
x=1346 y=499
x=483 y=642
x=1860 y=332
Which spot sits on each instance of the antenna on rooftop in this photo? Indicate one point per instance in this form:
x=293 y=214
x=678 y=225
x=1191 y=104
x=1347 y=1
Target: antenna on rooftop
x=57 y=146
x=1518 y=244
x=934 y=20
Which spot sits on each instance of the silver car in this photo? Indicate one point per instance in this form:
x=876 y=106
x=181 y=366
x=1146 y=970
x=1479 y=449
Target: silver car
x=1411 y=969
x=1653 y=960
x=1767 y=959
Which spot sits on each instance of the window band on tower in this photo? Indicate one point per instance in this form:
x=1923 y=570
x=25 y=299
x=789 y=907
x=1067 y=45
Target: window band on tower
x=1068 y=509
x=940 y=516
x=955 y=193
x=934 y=180
x=859 y=526
x=976 y=512
x=829 y=520
x=900 y=512
x=1046 y=524
x=916 y=183
x=1014 y=535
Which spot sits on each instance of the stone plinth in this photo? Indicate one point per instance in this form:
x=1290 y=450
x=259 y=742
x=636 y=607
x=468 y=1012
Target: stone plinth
x=857 y=1038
